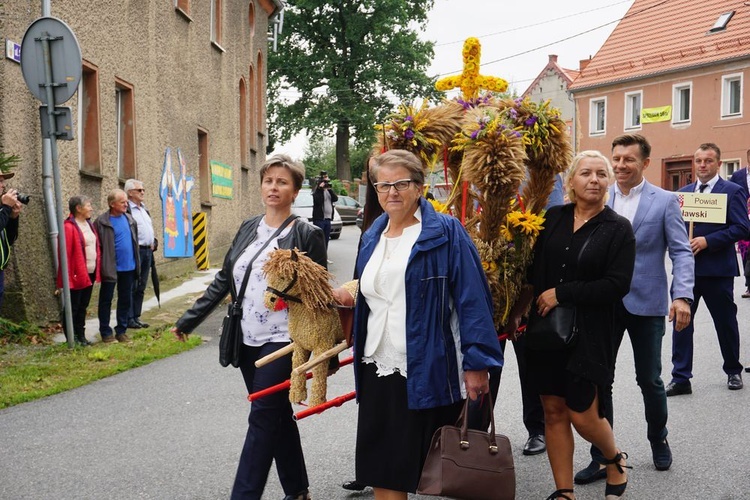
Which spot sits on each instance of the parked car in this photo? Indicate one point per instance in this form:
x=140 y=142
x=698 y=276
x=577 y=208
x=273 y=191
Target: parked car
x=303 y=206
x=360 y=217
x=347 y=207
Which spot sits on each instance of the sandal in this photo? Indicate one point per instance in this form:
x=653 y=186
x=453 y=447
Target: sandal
x=560 y=494
x=616 y=491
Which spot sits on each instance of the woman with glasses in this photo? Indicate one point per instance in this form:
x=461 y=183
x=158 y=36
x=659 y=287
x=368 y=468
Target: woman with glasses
x=272 y=434
x=423 y=331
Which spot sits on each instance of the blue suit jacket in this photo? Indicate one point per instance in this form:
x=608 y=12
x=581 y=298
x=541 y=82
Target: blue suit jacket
x=740 y=177
x=658 y=228
x=720 y=258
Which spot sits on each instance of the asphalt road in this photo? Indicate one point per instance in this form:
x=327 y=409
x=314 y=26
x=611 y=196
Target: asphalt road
x=174 y=430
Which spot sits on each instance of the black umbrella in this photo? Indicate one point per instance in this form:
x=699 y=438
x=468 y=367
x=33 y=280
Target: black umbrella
x=155 y=275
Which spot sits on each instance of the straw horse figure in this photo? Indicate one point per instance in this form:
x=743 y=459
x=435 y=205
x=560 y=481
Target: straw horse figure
x=298 y=283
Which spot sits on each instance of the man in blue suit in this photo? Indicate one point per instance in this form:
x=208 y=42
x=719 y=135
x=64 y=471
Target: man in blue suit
x=715 y=269
x=740 y=177
x=658 y=227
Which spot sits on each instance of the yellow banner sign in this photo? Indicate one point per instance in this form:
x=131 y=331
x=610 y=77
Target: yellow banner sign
x=700 y=207
x=653 y=115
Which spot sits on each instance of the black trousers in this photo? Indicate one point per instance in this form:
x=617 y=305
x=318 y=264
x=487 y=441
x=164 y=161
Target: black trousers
x=272 y=433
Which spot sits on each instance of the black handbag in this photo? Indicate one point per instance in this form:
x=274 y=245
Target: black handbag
x=469 y=464
x=231 y=327
x=558 y=329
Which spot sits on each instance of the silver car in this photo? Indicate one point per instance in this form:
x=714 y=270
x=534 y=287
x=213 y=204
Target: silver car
x=303 y=206
x=347 y=207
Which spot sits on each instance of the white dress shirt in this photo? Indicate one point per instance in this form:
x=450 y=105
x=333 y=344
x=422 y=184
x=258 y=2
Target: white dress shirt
x=627 y=204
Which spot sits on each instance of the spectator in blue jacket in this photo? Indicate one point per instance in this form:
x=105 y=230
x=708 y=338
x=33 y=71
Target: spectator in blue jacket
x=424 y=337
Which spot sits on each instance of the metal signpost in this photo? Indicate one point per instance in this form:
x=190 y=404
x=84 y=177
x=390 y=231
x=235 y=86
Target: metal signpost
x=51 y=66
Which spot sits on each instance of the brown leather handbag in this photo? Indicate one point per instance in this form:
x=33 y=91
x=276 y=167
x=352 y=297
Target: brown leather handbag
x=469 y=464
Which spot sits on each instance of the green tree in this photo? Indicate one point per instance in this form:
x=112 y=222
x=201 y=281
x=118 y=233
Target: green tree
x=320 y=154
x=348 y=62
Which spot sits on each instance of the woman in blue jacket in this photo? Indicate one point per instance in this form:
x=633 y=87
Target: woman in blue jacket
x=423 y=335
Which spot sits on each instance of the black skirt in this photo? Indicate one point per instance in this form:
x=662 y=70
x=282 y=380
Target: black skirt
x=392 y=440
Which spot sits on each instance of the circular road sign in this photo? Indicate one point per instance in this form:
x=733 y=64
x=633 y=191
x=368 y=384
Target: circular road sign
x=65 y=59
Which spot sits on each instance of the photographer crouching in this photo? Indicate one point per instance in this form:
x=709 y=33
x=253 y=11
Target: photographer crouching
x=12 y=203
x=323 y=200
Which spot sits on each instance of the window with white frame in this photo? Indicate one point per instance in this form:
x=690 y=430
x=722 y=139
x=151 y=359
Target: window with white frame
x=216 y=21
x=728 y=167
x=731 y=96
x=682 y=99
x=633 y=110
x=598 y=116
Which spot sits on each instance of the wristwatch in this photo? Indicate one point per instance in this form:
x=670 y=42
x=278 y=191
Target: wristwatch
x=689 y=301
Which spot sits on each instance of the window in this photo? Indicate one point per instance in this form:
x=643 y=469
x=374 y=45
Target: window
x=728 y=167
x=216 y=25
x=633 y=110
x=731 y=96
x=598 y=116
x=89 y=145
x=204 y=175
x=125 y=120
x=183 y=6
x=260 y=110
x=251 y=18
x=243 y=123
x=681 y=102
x=252 y=106
x=721 y=23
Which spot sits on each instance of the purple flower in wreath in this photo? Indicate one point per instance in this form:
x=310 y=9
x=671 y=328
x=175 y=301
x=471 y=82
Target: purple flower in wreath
x=513 y=113
x=530 y=121
x=409 y=134
x=409 y=118
x=475 y=134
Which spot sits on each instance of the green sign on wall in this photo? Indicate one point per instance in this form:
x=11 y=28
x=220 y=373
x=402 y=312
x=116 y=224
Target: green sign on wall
x=221 y=180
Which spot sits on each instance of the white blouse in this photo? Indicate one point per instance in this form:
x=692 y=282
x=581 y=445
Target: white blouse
x=383 y=286
x=259 y=325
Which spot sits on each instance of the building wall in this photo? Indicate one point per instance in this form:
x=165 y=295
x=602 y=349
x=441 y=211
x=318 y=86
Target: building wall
x=553 y=87
x=671 y=141
x=181 y=82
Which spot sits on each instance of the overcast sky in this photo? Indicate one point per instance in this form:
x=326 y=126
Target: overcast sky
x=517 y=37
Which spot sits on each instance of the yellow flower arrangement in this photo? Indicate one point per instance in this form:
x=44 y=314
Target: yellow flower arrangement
x=470 y=81
x=526 y=222
x=404 y=130
x=439 y=207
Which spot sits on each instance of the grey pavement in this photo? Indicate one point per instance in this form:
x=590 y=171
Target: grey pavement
x=174 y=429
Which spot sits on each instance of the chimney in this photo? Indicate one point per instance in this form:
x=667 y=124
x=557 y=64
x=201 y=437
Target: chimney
x=583 y=63
x=553 y=58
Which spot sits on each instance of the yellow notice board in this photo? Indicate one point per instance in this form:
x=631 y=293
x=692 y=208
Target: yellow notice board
x=653 y=115
x=700 y=207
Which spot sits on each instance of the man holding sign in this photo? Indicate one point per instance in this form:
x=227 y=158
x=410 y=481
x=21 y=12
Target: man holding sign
x=716 y=266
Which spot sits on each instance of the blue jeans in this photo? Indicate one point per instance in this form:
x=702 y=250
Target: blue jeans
x=272 y=433
x=139 y=287
x=646 y=334
x=325 y=225
x=124 y=285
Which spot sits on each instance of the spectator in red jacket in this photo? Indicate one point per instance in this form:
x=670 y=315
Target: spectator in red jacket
x=84 y=259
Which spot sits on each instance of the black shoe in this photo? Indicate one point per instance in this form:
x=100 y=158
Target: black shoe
x=134 y=325
x=679 y=388
x=662 y=455
x=734 y=382
x=353 y=486
x=615 y=491
x=594 y=472
x=560 y=494
x=141 y=323
x=535 y=445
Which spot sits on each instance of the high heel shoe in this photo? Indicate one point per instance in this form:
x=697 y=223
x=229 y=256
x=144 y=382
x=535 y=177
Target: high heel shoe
x=616 y=491
x=560 y=494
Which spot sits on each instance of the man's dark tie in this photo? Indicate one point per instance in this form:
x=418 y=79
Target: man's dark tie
x=703 y=187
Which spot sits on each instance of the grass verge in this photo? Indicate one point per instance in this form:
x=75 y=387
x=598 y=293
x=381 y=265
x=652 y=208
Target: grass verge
x=29 y=371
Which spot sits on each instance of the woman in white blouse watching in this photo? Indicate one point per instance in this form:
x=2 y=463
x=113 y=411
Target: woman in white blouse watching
x=423 y=331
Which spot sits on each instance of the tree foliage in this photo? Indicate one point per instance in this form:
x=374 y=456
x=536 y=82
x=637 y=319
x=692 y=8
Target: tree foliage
x=347 y=62
x=320 y=154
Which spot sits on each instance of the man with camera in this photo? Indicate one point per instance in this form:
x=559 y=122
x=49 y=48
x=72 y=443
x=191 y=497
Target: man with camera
x=323 y=200
x=9 y=211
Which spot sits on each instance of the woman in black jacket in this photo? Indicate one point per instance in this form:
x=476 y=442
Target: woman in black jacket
x=272 y=433
x=569 y=380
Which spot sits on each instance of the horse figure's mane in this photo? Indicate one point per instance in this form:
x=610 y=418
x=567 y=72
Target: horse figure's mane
x=313 y=285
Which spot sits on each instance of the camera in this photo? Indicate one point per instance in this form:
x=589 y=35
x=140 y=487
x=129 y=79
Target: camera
x=322 y=177
x=23 y=198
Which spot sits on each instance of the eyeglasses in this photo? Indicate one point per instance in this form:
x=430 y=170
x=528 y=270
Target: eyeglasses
x=400 y=185
x=141 y=190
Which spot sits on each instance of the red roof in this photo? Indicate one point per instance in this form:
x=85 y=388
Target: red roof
x=662 y=36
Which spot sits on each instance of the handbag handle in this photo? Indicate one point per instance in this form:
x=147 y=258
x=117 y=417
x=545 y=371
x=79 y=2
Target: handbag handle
x=463 y=421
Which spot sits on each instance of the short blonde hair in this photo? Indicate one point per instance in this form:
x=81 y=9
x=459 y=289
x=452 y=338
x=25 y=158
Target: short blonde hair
x=296 y=169
x=574 y=166
x=399 y=158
